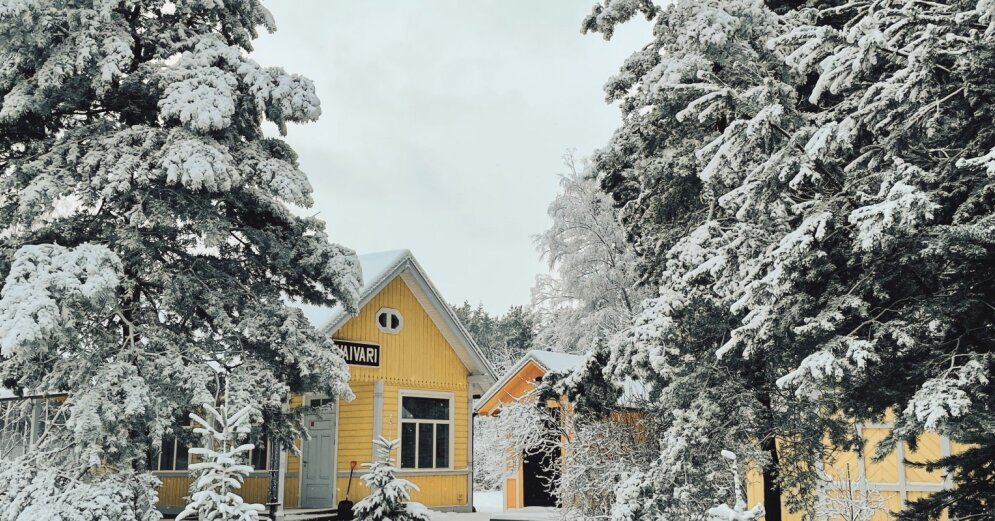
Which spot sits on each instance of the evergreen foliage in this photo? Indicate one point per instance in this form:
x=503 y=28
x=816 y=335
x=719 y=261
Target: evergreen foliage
x=504 y=339
x=146 y=235
x=221 y=471
x=389 y=495
x=808 y=184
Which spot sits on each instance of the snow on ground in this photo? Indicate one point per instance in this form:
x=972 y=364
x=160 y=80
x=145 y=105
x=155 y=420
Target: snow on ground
x=486 y=501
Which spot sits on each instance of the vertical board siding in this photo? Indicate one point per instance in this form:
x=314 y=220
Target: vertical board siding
x=418 y=358
x=884 y=476
x=435 y=490
x=418 y=354
x=175 y=488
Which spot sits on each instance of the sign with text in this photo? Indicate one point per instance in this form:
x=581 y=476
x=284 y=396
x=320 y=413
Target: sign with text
x=359 y=353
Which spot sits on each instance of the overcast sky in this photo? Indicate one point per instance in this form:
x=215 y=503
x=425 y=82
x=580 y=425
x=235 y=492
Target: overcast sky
x=444 y=125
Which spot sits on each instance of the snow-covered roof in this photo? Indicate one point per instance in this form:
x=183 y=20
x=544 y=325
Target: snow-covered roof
x=378 y=270
x=550 y=361
x=376 y=267
x=6 y=393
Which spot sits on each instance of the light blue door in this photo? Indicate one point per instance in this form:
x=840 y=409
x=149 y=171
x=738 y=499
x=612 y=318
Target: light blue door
x=318 y=463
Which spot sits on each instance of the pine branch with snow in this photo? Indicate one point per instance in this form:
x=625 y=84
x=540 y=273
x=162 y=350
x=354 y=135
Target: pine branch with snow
x=807 y=186
x=146 y=230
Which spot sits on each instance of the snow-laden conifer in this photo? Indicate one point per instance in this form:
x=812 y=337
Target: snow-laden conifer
x=389 y=498
x=809 y=186
x=221 y=471
x=146 y=235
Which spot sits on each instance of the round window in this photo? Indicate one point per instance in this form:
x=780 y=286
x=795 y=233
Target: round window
x=389 y=320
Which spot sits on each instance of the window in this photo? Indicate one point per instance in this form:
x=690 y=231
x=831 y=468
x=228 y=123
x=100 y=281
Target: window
x=259 y=455
x=426 y=432
x=389 y=320
x=172 y=455
x=321 y=402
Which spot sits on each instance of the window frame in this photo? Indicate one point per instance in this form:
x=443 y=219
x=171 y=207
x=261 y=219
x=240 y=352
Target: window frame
x=266 y=447
x=387 y=329
x=451 y=422
x=158 y=453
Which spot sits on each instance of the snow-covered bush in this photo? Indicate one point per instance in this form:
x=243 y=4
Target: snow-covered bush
x=30 y=489
x=848 y=499
x=600 y=453
x=489 y=459
x=389 y=495
x=222 y=469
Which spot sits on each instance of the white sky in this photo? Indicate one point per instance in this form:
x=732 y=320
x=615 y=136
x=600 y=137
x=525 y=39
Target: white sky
x=444 y=125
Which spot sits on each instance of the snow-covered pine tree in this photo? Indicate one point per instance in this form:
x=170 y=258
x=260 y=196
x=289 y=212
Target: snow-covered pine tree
x=816 y=179
x=389 y=495
x=145 y=235
x=222 y=468
x=702 y=103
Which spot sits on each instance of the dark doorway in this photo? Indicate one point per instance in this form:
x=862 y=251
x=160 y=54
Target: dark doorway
x=539 y=471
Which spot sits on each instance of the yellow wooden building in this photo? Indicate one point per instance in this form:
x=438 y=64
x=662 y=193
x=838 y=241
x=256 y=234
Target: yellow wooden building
x=415 y=373
x=525 y=478
x=878 y=487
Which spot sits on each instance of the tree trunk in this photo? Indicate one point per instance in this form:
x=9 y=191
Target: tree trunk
x=772 y=488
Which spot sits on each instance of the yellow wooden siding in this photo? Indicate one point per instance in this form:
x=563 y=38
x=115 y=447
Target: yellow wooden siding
x=355 y=424
x=419 y=354
x=434 y=489
x=885 y=474
x=173 y=491
x=176 y=487
x=928 y=449
x=418 y=358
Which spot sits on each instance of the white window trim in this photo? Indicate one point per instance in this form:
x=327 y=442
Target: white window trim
x=388 y=330
x=451 y=422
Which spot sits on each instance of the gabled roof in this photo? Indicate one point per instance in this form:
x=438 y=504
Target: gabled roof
x=549 y=361
x=379 y=269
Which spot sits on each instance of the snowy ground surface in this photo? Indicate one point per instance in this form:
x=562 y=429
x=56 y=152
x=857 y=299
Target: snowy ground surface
x=486 y=502
x=489 y=503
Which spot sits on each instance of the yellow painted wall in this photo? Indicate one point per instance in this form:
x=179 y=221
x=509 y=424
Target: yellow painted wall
x=884 y=473
x=418 y=358
x=176 y=486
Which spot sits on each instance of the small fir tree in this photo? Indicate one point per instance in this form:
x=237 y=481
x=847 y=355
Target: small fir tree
x=389 y=495
x=221 y=472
